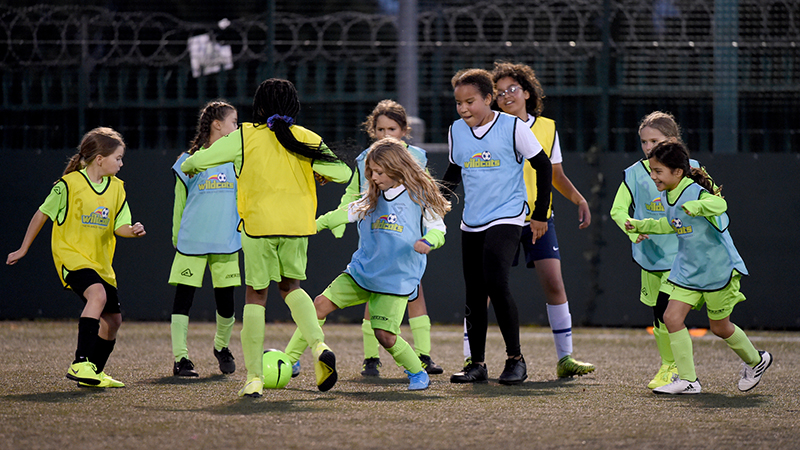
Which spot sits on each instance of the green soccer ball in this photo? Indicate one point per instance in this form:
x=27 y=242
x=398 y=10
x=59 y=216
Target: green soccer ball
x=277 y=369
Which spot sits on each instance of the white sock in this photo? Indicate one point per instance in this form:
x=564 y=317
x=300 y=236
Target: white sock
x=561 y=324
x=467 y=352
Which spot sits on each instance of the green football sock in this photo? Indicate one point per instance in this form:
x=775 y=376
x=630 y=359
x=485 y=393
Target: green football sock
x=224 y=328
x=179 y=328
x=253 y=339
x=404 y=355
x=681 y=343
x=297 y=344
x=740 y=343
x=421 y=332
x=305 y=316
x=662 y=342
x=371 y=344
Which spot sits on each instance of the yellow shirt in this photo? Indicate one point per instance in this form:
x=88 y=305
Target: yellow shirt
x=84 y=238
x=545 y=131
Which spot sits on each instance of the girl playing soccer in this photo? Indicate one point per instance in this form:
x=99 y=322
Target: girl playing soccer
x=487 y=151
x=707 y=267
x=399 y=222
x=388 y=119
x=654 y=254
x=275 y=163
x=88 y=208
x=204 y=233
x=520 y=94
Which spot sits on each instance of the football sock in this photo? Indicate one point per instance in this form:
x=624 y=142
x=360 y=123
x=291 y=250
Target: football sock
x=297 y=344
x=88 y=328
x=681 y=343
x=421 y=332
x=371 y=344
x=252 y=336
x=467 y=351
x=662 y=342
x=180 y=329
x=740 y=343
x=305 y=316
x=561 y=325
x=223 y=335
x=102 y=350
x=404 y=355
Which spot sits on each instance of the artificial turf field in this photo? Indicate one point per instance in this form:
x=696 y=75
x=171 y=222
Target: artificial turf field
x=611 y=408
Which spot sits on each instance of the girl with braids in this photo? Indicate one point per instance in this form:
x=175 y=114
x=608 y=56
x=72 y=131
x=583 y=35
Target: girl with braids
x=399 y=222
x=388 y=119
x=88 y=208
x=707 y=267
x=637 y=197
x=275 y=162
x=204 y=233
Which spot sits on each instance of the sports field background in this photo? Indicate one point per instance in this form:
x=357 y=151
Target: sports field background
x=611 y=408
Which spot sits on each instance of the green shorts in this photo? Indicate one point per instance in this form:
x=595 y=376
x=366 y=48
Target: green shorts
x=652 y=283
x=385 y=311
x=273 y=258
x=189 y=270
x=719 y=304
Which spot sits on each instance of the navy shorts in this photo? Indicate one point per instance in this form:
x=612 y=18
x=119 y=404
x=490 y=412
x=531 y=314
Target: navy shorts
x=546 y=247
x=80 y=280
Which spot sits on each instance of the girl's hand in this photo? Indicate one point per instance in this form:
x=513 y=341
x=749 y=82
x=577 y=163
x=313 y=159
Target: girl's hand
x=138 y=229
x=320 y=179
x=584 y=215
x=688 y=213
x=641 y=237
x=15 y=256
x=538 y=229
x=422 y=246
x=629 y=226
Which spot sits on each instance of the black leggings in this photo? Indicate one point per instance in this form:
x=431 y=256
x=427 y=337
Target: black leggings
x=184 y=297
x=486 y=259
x=662 y=300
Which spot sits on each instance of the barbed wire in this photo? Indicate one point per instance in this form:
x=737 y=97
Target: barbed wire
x=69 y=35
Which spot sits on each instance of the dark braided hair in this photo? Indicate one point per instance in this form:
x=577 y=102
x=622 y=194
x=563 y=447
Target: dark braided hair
x=673 y=153
x=276 y=96
x=526 y=78
x=214 y=110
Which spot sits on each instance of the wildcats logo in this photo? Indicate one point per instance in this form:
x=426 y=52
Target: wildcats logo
x=216 y=181
x=387 y=222
x=98 y=217
x=482 y=159
x=655 y=205
x=677 y=225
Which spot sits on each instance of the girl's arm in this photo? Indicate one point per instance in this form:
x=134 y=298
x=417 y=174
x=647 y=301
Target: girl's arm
x=36 y=224
x=434 y=236
x=177 y=209
x=619 y=212
x=568 y=190
x=544 y=181
x=327 y=220
x=225 y=149
x=708 y=205
x=336 y=171
x=129 y=231
x=451 y=180
x=650 y=226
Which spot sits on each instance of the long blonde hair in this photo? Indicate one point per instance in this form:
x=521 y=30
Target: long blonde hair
x=398 y=164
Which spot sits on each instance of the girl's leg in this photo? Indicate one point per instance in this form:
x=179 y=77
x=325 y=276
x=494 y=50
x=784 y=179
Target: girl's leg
x=371 y=344
x=252 y=334
x=679 y=338
x=400 y=350
x=668 y=369
x=106 y=339
x=498 y=253
x=736 y=339
x=225 y=320
x=475 y=312
x=179 y=324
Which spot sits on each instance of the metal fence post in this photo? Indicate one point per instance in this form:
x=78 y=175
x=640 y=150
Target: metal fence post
x=726 y=93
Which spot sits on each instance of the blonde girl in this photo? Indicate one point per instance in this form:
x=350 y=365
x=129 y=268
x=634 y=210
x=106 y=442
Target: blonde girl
x=400 y=221
x=89 y=210
x=204 y=233
x=388 y=119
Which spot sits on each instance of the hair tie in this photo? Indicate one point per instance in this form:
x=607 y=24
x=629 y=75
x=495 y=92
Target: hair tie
x=271 y=120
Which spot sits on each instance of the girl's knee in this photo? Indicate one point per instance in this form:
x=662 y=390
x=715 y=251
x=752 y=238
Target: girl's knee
x=385 y=338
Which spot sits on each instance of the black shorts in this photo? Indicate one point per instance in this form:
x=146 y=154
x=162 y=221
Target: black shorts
x=80 y=280
x=546 y=247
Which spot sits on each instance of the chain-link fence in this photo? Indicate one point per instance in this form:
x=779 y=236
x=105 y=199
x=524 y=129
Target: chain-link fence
x=727 y=69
